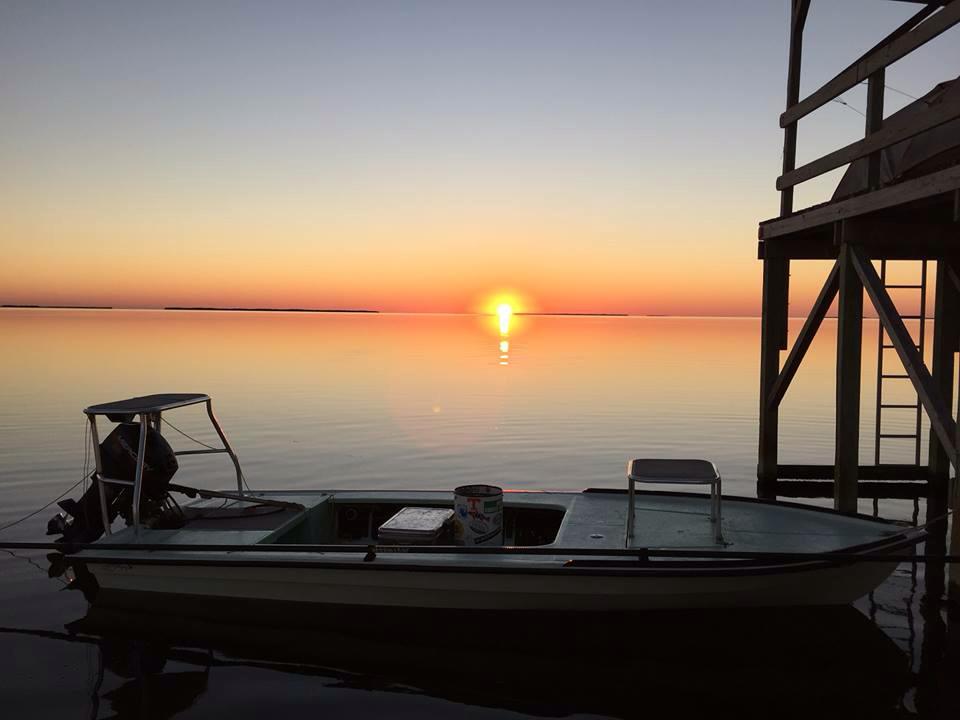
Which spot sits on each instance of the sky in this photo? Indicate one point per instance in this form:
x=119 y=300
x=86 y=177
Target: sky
x=599 y=156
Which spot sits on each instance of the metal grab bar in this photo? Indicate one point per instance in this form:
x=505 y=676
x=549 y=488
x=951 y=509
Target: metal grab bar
x=226 y=445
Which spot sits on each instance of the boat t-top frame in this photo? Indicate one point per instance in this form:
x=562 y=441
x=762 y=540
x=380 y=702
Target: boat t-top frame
x=150 y=409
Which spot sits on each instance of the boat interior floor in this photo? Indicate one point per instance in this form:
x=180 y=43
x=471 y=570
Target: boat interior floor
x=590 y=519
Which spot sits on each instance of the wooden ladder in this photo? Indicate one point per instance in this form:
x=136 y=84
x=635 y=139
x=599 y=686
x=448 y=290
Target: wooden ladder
x=882 y=345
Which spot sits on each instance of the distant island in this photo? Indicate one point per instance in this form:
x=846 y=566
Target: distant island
x=266 y=309
x=58 y=307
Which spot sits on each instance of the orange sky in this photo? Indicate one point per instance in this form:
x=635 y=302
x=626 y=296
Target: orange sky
x=450 y=264
x=412 y=156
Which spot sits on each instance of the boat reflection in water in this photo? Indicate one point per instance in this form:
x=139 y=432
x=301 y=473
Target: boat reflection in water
x=790 y=663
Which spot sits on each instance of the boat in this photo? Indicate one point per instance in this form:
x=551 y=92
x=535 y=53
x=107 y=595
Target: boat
x=596 y=550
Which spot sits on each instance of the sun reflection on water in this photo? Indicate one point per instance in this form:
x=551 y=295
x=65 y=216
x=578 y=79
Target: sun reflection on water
x=504 y=313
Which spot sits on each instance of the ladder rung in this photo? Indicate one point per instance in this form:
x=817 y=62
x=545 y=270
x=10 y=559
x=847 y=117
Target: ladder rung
x=895 y=376
x=911 y=317
x=904 y=436
x=900 y=405
x=904 y=287
x=891 y=347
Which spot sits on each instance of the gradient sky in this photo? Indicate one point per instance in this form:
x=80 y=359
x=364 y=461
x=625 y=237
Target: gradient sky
x=413 y=156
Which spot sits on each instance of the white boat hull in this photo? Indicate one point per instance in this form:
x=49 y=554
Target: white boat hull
x=464 y=590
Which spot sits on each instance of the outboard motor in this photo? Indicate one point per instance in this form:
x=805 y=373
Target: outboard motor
x=83 y=521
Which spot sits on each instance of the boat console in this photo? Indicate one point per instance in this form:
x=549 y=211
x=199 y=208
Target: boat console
x=352 y=519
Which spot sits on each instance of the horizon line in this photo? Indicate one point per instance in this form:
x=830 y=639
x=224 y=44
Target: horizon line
x=367 y=311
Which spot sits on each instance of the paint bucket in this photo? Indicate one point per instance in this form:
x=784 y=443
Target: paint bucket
x=478 y=515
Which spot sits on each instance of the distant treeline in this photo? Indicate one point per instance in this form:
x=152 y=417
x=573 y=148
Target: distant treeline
x=59 y=307
x=265 y=309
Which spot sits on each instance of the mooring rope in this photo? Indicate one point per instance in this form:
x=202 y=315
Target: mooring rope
x=243 y=477
x=61 y=495
x=189 y=437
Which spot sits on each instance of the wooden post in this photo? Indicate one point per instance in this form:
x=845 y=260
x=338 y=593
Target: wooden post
x=798 y=18
x=875 y=87
x=776 y=278
x=946 y=336
x=953 y=584
x=773 y=337
x=849 y=345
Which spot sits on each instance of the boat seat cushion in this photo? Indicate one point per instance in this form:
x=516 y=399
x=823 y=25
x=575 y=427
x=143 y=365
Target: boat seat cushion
x=659 y=470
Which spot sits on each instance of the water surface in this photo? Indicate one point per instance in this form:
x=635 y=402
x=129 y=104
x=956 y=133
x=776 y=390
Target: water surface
x=417 y=401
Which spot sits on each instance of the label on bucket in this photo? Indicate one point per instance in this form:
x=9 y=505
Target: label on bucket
x=478 y=515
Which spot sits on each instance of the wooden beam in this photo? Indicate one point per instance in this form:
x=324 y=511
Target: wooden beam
x=881 y=237
x=880 y=58
x=807 y=333
x=892 y=133
x=904 y=27
x=849 y=357
x=773 y=330
x=887 y=472
x=941 y=419
x=925 y=186
x=865 y=489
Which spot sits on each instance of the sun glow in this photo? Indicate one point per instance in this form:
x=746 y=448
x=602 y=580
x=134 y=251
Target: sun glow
x=499 y=313
x=504 y=312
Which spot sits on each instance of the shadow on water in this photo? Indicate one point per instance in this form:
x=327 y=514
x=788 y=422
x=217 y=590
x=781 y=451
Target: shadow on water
x=785 y=663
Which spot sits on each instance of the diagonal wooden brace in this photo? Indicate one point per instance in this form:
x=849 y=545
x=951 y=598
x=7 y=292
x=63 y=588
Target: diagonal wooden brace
x=807 y=333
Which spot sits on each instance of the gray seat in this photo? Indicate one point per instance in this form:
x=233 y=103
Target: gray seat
x=674 y=472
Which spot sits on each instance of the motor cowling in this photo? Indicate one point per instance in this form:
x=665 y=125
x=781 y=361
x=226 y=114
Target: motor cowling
x=118 y=455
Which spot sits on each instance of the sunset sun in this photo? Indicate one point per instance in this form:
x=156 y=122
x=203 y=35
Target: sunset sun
x=504 y=311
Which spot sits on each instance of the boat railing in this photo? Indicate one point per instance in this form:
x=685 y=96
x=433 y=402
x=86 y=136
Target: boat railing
x=878 y=551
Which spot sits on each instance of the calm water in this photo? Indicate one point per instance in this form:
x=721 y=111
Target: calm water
x=433 y=402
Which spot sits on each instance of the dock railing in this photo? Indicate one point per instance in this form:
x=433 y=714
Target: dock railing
x=931 y=21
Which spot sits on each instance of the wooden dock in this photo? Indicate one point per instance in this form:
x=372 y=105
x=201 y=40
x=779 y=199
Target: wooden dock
x=898 y=201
